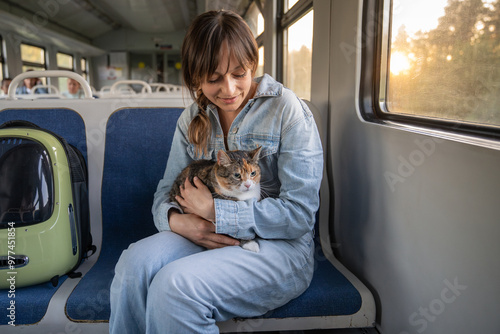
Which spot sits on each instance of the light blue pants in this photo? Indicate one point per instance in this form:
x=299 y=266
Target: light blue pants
x=167 y=284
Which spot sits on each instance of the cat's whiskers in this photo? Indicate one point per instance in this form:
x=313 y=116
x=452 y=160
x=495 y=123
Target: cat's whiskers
x=267 y=187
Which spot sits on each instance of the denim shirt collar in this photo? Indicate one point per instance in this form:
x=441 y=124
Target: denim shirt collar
x=268 y=87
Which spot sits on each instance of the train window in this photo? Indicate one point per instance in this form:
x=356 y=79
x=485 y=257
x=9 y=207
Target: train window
x=255 y=21
x=84 y=69
x=33 y=57
x=2 y=61
x=297 y=60
x=443 y=61
x=260 y=68
x=65 y=61
x=289 y=4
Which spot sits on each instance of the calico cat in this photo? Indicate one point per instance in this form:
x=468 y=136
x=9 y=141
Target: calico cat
x=234 y=176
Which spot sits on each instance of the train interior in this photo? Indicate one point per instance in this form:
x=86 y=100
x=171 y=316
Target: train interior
x=407 y=230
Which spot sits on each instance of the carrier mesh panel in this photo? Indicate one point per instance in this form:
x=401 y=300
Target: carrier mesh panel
x=26 y=183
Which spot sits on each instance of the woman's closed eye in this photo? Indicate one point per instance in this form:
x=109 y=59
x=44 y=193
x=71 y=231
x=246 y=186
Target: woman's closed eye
x=216 y=79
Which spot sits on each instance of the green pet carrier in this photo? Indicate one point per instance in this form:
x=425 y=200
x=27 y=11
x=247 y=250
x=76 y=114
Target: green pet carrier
x=44 y=214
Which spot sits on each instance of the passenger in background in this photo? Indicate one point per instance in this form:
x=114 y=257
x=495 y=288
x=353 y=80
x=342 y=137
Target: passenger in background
x=29 y=84
x=5 y=86
x=74 y=90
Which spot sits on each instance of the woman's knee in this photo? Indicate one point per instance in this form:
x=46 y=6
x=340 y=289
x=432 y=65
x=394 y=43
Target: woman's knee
x=149 y=255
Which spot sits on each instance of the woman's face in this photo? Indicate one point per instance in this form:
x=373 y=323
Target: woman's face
x=231 y=86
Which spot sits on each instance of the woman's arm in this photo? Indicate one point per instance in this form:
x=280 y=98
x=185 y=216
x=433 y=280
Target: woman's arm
x=292 y=213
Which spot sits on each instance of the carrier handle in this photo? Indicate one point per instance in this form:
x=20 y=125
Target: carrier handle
x=50 y=73
x=18 y=124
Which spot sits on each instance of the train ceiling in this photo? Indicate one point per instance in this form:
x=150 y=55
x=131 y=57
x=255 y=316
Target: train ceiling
x=89 y=19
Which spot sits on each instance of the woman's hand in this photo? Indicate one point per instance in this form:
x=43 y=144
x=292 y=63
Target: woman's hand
x=197 y=199
x=199 y=231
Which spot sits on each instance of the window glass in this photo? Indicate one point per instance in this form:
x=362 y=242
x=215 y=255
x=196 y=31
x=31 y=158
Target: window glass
x=289 y=4
x=298 y=56
x=260 y=68
x=34 y=68
x=64 y=61
x=83 y=64
x=33 y=58
x=255 y=20
x=33 y=55
x=444 y=60
x=2 y=61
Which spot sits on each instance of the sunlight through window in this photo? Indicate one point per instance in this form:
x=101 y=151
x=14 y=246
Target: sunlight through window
x=444 y=60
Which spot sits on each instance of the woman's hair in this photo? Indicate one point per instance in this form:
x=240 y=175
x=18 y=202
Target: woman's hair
x=201 y=53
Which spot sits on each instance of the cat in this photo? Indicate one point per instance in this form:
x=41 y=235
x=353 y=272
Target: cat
x=234 y=176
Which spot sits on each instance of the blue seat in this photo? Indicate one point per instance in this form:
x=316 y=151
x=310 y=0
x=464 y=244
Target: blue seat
x=136 y=152
x=62 y=121
x=137 y=146
x=32 y=302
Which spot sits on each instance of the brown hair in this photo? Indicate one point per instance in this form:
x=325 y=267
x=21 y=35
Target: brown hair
x=201 y=56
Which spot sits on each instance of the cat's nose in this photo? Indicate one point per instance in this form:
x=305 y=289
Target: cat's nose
x=248 y=185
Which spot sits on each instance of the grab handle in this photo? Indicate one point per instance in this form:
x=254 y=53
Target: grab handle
x=128 y=82
x=51 y=73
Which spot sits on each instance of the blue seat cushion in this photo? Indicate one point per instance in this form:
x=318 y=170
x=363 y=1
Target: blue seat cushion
x=30 y=302
x=330 y=293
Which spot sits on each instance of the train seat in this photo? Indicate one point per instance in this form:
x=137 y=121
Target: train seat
x=32 y=302
x=136 y=146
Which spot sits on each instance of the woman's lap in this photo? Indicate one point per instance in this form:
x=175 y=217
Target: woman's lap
x=221 y=283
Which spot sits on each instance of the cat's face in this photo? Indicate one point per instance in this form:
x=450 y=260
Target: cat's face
x=238 y=174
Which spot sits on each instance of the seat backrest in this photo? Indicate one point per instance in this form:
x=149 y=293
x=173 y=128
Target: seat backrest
x=65 y=122
x=138 y=142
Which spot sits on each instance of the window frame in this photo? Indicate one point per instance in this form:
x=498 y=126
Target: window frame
x=286 y=19
x=3 y=65
x=373 y=80
x=85 y=71
x=32 y=64
x=72 y=62
x=261 y=37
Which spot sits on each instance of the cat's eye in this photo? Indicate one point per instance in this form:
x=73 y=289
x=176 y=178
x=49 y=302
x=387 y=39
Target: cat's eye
x=252 y=174
x=237 y=175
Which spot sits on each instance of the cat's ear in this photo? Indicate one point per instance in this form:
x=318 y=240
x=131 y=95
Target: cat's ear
x=223 y=159
x=254 y=155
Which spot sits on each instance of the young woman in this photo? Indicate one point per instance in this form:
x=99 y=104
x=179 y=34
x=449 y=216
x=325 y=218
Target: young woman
x=190 y=275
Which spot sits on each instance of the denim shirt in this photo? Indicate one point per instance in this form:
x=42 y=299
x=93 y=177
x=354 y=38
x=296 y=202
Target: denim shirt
x=291 y=163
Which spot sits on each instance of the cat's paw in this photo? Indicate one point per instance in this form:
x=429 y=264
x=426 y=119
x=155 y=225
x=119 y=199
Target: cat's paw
x=250 y=245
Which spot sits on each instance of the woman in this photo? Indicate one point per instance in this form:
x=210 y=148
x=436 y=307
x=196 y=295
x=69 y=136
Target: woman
x=190 y=275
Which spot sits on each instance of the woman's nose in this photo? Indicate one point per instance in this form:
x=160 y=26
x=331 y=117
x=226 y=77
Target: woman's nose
x=228 y=86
